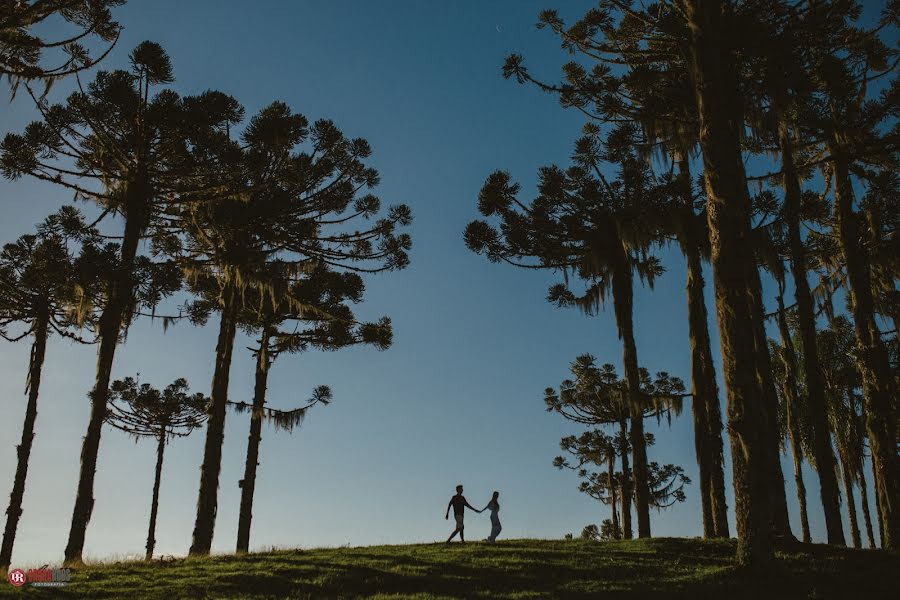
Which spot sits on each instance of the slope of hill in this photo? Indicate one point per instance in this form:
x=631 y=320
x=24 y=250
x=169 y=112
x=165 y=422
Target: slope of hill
x=657 y=568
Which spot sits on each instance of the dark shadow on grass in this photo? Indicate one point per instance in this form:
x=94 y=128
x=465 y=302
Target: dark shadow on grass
x=658 y=568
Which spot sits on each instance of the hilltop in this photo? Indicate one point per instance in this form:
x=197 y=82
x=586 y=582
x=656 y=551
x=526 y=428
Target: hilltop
x=654 y=568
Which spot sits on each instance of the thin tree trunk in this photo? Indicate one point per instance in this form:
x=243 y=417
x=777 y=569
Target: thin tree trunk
x=878 y=507
x=626 y=481
x=622 y=300
x=801 y=488
x=248 y=484
x=867 y=517
x=718 y=106
x=611 y=473
x=207 y=498
x=23 y=450
x=705 y=403
x=878 y=384
x=110 y=326
x=702 y=386
x=792 y=401
x=847 y=476
x=154 y=505
x=823 y=454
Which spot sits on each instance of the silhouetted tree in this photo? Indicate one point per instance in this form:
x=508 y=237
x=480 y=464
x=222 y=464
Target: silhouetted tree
x=45 y=288
x=586 y=223
x=282 y=327
x=129 y=151
x=290 y=204
x=141 y=410
x=597 y=397
x=594 y=447
x=22 y=41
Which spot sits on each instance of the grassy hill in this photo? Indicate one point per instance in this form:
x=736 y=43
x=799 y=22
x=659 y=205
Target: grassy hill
x=657 y=568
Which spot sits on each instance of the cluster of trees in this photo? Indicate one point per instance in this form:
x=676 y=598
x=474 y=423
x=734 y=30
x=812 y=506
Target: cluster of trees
x=267 y=221
x=679 y=96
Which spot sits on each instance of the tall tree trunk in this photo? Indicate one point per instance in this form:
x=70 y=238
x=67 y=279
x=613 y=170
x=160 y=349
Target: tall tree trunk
x=23 y=450
x=705 y=401
x=713 y=77
x=878 y=384
x=154 y=504
x=623 y=302
x=611 y=473
x=626 y=481
x=248 y=484
x=823 y=453
x=801 y=487
x=867 y=517
x=847 y=476
x=792 y=402
x=207 y=498
x=781 y=526
x=878 y=507
x=109 y=328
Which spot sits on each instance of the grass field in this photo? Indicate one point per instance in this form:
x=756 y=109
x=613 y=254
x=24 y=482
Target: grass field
x=657 y=568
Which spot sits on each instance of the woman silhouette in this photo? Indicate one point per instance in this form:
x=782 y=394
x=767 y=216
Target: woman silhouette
x=494 y=507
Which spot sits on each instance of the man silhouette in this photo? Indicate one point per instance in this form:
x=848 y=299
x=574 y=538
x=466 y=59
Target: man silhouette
x=459 y=504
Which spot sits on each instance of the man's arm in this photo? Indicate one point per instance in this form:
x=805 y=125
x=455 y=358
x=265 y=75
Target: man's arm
x=447 y=515
x=470 y=506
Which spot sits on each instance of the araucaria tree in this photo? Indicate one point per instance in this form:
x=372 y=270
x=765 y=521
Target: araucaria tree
x=597 y=397
x=594 y=447
x=126 y=150
x=45 y=289
x=281 y=325
x=586 y=222
x=141 y=410
x=285 y=201
x=658 y=100
x=23 y=41
x=701 y=43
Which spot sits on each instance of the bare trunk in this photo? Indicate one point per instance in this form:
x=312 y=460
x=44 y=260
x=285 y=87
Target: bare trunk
x=207 y=498
x=781 y=526
x=626 y=481
x=154 y=504
x=847 y=477
x=801 y=489
x=878 y=508
x=792 y=404
x=248 y=484
x=611 y=473
x=622 y=300
x=823 y=453
x=110 y=326
x=23 y=450
x=867 y=517
x=705 y=403
x=718 y=107
x=878 y=384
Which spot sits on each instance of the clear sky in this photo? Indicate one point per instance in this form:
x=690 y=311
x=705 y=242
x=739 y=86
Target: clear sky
x=457 y=399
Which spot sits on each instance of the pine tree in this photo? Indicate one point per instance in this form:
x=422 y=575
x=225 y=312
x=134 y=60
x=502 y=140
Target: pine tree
x=285 y=201
x=23 y=43
x=141 y=410
x=47 y=285
x=129 y=150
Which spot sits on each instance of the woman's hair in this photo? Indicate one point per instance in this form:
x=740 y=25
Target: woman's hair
x=494 y=500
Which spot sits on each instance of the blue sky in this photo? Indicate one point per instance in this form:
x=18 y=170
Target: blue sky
x=458 y=398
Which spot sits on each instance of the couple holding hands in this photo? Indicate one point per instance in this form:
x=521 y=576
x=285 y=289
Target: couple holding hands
x=459 y=504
